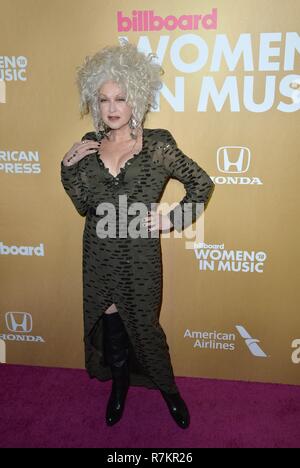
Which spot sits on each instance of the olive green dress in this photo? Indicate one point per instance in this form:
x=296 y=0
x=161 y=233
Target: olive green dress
x=124 y=270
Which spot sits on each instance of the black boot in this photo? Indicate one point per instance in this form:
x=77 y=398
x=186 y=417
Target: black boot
x=115 y=341
x=177 y=408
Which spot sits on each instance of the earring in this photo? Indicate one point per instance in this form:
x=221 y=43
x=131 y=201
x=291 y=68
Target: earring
x=102 y=128
x=133 y=124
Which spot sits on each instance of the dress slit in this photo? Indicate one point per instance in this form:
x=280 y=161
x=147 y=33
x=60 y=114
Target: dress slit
x=140 y=375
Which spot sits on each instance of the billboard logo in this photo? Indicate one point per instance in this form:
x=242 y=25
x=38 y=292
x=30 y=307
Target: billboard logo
x=214 y=257
x=147 y=20
x=22 y=250
x=18 y=322
x=252 y=343
x=228 y=162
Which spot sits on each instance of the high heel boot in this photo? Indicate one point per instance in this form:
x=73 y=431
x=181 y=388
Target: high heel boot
x=177 y=408
x=115 y=341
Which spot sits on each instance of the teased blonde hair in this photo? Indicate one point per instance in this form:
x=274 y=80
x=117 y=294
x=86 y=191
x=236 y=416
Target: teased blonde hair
x=131 y=69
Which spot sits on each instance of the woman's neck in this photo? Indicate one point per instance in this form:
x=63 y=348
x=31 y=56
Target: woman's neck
x=120 y=135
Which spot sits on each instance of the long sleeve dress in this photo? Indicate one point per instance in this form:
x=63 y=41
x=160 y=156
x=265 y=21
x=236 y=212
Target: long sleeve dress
x=125 y=270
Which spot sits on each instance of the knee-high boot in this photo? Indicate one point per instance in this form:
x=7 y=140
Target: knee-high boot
x=178 y=409
x=115 y=341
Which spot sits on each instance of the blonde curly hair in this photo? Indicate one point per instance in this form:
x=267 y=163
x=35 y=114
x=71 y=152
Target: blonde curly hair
x=131 y=69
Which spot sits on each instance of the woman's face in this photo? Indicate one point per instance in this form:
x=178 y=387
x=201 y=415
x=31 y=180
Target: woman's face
x=114 y=109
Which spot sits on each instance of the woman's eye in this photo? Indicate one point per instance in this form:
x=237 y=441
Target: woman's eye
x=119 y=99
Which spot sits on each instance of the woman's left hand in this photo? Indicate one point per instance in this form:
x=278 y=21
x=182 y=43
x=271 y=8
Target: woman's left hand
x=157 y=221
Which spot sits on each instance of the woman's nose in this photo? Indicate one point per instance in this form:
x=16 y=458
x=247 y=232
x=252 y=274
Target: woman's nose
x=112 y=106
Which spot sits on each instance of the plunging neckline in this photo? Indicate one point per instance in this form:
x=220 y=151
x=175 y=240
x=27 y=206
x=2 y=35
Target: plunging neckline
x=134 y=156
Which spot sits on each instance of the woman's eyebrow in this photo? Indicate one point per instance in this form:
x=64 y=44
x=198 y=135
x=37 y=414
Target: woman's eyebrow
x=121 y=94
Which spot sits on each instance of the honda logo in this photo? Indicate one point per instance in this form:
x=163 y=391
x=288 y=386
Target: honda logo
x=18 y=322
x=2 y=351
x=233 y=159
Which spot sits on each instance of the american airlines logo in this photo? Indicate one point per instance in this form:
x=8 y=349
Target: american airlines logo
x=218 y=340
x=19 y=324
x=296 y=352
x=251 y=343
x=234 y=162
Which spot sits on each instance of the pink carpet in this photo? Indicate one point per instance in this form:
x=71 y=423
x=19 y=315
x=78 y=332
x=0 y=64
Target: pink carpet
x=50 y=407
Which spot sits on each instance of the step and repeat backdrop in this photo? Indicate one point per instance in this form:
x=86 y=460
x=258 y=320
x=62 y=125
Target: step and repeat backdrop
x=231 y=98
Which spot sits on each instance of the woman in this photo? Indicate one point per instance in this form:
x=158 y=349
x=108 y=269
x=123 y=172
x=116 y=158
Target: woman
x=122 y=273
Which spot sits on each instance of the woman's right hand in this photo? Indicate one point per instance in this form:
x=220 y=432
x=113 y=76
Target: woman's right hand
x=79 y=150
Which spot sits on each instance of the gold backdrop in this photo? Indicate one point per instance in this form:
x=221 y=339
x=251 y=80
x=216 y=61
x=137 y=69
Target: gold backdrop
x=231 y=98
